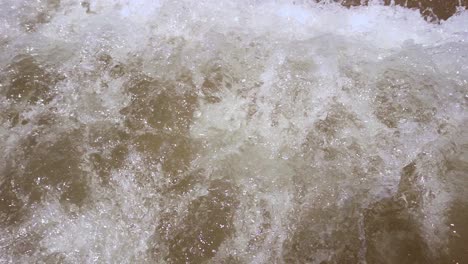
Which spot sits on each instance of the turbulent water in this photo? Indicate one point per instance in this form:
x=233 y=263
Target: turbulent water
x=137 y=131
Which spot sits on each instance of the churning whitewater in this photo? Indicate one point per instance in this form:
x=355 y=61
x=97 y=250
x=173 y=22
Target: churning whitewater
x=231 y=132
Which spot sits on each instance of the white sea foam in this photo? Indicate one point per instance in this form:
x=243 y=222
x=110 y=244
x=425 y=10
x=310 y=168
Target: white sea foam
x=310 y=115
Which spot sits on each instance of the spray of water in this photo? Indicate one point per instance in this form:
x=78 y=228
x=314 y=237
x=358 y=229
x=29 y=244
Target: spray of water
x=231 y=132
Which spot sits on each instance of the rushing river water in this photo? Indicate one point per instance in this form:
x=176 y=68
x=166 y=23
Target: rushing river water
x=138 y=131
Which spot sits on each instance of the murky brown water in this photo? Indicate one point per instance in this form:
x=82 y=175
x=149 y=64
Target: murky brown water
x=215 y=132
x=433 y=9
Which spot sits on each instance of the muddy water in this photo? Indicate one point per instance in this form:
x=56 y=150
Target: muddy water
x=432 y=10
x=219 y=132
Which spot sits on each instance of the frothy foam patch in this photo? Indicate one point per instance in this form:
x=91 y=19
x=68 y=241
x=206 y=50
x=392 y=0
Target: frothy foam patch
x=217 y=131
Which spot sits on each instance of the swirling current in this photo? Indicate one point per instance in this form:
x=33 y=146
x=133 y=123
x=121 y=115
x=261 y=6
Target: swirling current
x=233 y=132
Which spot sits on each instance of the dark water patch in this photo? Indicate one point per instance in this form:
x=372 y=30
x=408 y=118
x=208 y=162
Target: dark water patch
x=208 y=223
x=432 y=10
x=393 y=235
x=155 y=103
x=40 y=169
x=27 y=81
x=322 y=235
x=41 y=14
